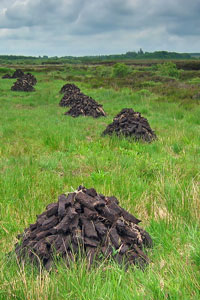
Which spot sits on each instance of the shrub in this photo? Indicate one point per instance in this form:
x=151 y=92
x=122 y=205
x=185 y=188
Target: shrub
x=103 y=71
x=120 y=70
x=168 y=69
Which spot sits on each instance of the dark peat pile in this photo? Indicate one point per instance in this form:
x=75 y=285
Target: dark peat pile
x=25 y=83
x=6 y=76
x=30 y=78
x=22 y=85
x=69 y=88
x=70 y=98
x=86 y=224
x=130 y=124
x=17 y=74
x=85 y=106
x=80 y=103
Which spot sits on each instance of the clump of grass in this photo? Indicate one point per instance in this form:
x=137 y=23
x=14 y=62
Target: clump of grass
x=151 y=83
x=195 y=80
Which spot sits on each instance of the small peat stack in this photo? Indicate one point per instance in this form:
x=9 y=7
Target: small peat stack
x=22 y=85
x=80 y=103
x=69 y=88
x=20 y=74
x=17 y=74
x=130 y=124
x=85 y=106
x=6 y=76
x=86 y=224
x=70 y=98
x=30 y=78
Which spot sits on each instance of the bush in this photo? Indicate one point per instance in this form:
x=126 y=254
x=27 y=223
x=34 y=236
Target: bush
x=120 y=70
x=168 y=69
x=103 y=71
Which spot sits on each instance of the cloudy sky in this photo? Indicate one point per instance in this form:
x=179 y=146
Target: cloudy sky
x=90 y=27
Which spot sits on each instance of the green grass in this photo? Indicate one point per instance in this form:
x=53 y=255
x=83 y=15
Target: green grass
x=195 y=80
x=44 y=153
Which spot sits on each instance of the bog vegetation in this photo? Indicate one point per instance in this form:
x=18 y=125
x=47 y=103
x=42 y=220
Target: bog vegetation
x=44 y=153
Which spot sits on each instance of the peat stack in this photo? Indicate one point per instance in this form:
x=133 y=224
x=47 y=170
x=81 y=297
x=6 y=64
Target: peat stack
x=130 y=124
x=18 y=74
x=22 y=85
x=85 y=106
x=69 y=88
x=70 y=98
x=84 y=223
x=80 y=103
x=6 y=76
x=30 y=78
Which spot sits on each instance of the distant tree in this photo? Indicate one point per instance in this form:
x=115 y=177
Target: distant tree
x=140 y=51
x=130 y=54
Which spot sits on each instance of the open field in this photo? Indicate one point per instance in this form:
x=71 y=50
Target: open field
x=44 y=153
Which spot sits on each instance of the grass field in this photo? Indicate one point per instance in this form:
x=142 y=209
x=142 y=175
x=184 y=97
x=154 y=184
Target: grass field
x=44 y=153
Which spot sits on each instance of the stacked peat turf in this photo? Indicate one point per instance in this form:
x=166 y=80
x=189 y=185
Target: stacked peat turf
x=70 y=98
x=85 y=106
x=130 y=124
x=22 y=85
x=17 y=74
x=80 y=103
x=24 y=82
x=84 y=223
x=69 y=88
x=30 y=78
x=6 y=76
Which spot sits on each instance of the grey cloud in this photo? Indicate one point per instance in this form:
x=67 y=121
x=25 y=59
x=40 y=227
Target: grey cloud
x=137 y=15
x=40 y=13
x=106 y=26
x=88 y=17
